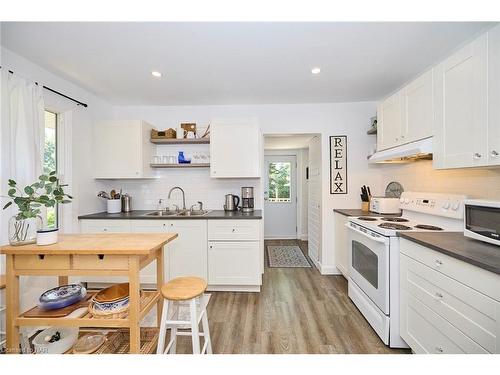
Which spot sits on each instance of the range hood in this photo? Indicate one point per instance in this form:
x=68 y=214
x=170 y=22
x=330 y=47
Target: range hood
x=405 y=153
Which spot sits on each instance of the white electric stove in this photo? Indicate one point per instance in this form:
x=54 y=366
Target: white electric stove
x=374 y=255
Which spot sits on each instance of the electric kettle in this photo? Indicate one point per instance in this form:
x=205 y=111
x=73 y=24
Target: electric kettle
x=232 y=202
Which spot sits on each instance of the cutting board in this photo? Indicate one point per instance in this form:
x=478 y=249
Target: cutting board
x=37 y=312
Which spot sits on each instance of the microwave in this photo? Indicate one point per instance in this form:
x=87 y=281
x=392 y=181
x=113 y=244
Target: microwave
x=482 y=220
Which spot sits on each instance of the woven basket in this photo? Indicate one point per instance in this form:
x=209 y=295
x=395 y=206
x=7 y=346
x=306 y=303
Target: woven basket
x=165 y=134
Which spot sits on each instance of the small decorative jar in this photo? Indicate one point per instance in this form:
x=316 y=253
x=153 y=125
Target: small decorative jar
x=23 y=231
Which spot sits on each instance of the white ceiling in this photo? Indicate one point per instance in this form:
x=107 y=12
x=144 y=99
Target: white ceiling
x=287 y=142
x=236 y=63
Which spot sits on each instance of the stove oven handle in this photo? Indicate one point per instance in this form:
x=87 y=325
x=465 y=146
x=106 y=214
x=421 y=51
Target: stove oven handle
x=373 y=237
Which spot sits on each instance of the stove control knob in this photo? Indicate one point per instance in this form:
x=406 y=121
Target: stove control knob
x=407 y=200
x=401 y=200
x=446 y=205
x=455 y=206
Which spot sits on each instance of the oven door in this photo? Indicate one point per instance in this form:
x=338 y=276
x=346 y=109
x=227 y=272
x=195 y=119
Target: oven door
x=369 y=264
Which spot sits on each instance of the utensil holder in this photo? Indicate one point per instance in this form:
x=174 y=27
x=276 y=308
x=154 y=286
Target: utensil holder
x=365 y=206
x=114 y=206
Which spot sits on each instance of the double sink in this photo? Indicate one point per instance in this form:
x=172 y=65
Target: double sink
x=167 y=213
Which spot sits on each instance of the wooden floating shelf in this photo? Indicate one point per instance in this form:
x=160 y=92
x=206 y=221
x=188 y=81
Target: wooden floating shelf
x=190 y=165
x=185 y=141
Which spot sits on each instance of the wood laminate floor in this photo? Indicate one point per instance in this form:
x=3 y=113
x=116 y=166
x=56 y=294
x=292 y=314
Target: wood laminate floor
x=298 y=311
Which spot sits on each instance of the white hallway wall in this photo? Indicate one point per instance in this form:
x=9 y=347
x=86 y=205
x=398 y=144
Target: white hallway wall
x=351 y=119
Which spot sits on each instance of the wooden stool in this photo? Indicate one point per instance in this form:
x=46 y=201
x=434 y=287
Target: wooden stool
x=175 y=292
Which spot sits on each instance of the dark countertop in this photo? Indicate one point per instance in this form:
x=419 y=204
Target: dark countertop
x=139 y=215
x=456 y=245
x=359 y=212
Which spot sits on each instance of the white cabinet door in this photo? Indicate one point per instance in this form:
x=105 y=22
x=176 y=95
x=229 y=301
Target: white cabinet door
x=460 y=95
x=418 y=109
x=122 y=149
x=494 y=96
x=105 y=226
x=389 y=122
x=235 y=149
x=234 y=263
x=341 y=244
x=187 y=254
x=184 y=256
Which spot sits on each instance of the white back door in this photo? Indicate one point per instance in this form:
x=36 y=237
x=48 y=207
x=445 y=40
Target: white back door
x=280 y=196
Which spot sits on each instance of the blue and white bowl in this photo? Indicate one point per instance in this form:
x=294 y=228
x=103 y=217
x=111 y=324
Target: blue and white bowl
x=110 y=307
x=62 y=296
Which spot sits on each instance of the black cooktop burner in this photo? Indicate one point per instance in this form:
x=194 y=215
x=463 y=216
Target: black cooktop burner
x=395 y=219
x=366 y=218
x=428 y=227
x=394 y=226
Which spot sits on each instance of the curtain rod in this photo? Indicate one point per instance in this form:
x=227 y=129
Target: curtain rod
x=59 y=93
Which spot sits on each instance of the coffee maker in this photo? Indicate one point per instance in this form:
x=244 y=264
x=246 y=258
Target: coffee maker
x=247 y=201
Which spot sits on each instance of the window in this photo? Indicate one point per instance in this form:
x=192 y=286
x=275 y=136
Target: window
x=279 y=181
x=50 y=159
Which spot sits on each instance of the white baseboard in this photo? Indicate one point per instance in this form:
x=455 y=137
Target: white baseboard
x=280 y=238
x=329 y=270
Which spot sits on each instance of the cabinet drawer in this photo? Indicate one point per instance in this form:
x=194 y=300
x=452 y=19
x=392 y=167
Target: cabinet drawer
x=105 y=226
x=481 y=280
x=427 y=332
x=100 y=262
x=473 y=313
x=233 y=230
x=41 y=262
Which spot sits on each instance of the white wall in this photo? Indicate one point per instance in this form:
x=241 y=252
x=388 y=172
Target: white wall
x=351 y=119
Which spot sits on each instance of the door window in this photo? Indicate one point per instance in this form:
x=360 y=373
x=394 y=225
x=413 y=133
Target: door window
x=279 y=174
x=365 y=262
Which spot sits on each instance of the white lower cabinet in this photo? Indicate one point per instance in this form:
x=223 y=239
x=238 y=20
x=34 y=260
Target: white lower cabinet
x=341 y=243
x=227 y=253
x=447 y=306
x=234 y=263
x=235 y=253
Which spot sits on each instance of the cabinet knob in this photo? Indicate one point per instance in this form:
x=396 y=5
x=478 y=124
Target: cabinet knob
x=494 y=153
x=439 y=349
x=105 y=230
x=211 y=247
x=439 y=295
x=439 y=262
x=233 y=230
x=477 y=155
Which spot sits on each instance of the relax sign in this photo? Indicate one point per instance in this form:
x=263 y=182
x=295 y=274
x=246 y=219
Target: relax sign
x=338 y=164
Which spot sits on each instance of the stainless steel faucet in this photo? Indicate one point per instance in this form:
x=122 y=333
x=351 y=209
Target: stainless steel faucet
x=183 y=196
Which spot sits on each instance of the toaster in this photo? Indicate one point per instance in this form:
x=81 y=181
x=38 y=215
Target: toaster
x=384 y=205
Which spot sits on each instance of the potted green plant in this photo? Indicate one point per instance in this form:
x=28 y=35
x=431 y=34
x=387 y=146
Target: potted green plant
x=46 y=192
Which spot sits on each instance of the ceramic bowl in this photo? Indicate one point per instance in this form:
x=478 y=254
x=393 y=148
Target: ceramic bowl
x=110 y=307
x=67 y=340
x=62 y=296
x=114 y=293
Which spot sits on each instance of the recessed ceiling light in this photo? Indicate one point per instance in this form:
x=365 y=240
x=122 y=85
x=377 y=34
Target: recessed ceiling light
x=154 y=73
x=315 y=70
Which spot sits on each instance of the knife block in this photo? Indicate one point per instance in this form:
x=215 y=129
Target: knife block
x=365 y=206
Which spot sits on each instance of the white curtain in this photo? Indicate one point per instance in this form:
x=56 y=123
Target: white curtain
x=22 y=134
x=22 y=129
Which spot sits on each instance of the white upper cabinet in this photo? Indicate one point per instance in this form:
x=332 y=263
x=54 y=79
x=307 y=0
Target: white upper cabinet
x=494 y=96
x=389 y=122
x=461 y=102
x=235 y=149
x=407 y=115
x=418 y=109
x=122 y=149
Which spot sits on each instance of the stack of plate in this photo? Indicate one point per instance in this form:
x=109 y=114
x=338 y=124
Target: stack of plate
x=111 y=303
x=62 y=296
